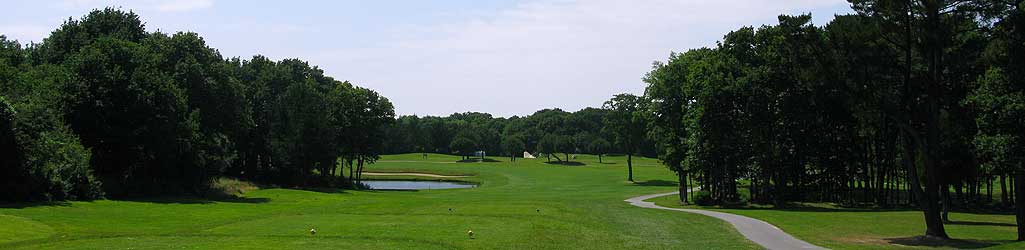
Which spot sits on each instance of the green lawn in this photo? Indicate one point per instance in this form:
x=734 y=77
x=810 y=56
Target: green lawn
x=581 y=207
x=845 y=228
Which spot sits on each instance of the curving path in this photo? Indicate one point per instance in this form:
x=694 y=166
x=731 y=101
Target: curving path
x=760 y=232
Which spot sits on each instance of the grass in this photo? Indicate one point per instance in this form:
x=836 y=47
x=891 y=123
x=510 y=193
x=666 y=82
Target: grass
x=848 y=228
x=521 y=205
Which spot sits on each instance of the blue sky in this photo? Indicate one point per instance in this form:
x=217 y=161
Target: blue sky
x=503 y=57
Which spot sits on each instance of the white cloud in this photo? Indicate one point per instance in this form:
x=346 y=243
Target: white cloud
x=567 y=54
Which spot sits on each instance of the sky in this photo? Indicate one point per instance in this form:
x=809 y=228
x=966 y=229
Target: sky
x=504 y=57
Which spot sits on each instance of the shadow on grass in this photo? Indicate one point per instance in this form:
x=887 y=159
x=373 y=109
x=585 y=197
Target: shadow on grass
x=325 y=190
x=566 y=163
x=394 y=190
x=199 y=200
x=980 y=223
x=803 y=207
x=923 y=241
x=799 y=207
x=21 y=205
x=657 y=183
x=478 y=160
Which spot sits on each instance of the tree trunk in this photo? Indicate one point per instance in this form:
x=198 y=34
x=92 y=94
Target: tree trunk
x=352 y=176
x=1003 y=190
x=989 y=188
x=1020 y=205
x=959 y=194
x=946 y=203
x=359 y=170
x=599 y=158
x=1013 y=190
x=683 y=187
x=630 y=167
x=927 y=198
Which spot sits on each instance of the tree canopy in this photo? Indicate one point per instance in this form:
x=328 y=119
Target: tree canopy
x=102 y=107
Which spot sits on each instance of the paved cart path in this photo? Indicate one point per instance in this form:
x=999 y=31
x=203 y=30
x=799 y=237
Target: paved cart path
x=759 y=232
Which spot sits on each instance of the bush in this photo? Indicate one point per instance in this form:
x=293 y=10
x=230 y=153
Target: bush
x=224 y=187
x=10 y=163
x=48 y=162
x=58 y=168
x=703 y=198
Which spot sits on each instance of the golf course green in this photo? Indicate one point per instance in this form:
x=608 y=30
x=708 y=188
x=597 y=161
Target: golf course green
x=526 y=204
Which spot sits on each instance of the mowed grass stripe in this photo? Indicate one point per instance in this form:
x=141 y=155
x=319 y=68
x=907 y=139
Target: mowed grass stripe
x=526 y=204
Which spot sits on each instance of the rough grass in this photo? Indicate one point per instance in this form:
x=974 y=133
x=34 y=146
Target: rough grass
x=850 y=228
x=225 y=187
x=521 y=205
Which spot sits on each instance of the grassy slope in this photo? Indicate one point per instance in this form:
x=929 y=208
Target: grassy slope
x=841 y=228
x=581 y=207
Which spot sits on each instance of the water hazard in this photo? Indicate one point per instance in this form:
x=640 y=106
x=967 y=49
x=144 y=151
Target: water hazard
x=416 y=185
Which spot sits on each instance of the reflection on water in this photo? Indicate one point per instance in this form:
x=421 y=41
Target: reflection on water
x=416 y=185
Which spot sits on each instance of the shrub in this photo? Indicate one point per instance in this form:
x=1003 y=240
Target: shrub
x=59 y=168
x=10 y=163
x=50 y=163
x=703 y=198
x=225 y=187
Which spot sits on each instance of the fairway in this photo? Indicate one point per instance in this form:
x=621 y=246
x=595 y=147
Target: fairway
x=523 y=205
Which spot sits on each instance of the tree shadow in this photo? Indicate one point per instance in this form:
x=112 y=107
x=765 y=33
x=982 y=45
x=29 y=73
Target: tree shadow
x=795 y=207
x=393 y=190
x=199 y=200
x=566 y=163
x=657 y=183
x=325 y=190
x=20 y=205
x=924 y=241
x=980 y=223
x=478 y=160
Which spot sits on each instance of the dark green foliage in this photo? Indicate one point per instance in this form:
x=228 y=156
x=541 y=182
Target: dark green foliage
x=913 y=102
x=58 y=166
x=132 y=116
x=464 y=145
x=435 y=134
x=46 y=161
x=564 y=144
x=627 y=121
x=151 y=114
x=11 y=163
x=513 y=145
x=703 y=198
x=552 y=144
x=599 y=147
x=74 y=35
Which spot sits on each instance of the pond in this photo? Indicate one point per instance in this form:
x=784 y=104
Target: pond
x=416 y=185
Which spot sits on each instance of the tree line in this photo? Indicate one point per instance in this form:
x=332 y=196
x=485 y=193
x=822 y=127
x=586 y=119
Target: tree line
x=917 y=103
x=618 y=127
x=103 y=108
